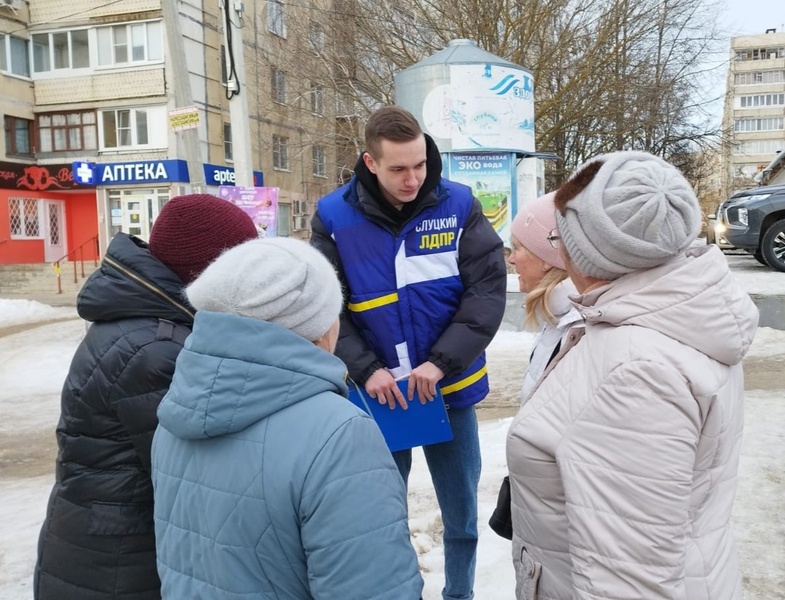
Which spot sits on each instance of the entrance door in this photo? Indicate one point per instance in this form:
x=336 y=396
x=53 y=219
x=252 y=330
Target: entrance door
x=135 y=216
x=139 y=209
x=54 y=230
x=135 y=210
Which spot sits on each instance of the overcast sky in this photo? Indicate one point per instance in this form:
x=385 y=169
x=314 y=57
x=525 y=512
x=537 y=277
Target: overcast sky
x=749 y=17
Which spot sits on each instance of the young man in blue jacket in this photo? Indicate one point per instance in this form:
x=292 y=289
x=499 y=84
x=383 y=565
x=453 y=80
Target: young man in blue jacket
x=424 y=281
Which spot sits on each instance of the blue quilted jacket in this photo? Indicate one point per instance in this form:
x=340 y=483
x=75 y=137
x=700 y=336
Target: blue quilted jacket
x=268 y=482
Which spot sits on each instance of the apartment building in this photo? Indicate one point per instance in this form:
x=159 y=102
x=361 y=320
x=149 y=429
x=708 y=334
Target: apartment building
x=754 y=116
x=88 y=98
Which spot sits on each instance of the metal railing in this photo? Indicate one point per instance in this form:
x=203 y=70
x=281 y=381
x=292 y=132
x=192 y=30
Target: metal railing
x=75 y=261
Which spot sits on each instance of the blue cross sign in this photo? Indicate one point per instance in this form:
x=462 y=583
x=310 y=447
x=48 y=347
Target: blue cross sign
x=84 y=173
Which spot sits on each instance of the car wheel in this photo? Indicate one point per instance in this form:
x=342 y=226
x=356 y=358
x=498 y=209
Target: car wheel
x=773 y=246
x=759 y=257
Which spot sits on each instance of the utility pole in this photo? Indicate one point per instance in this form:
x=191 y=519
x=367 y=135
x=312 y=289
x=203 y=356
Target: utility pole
x=188 y=139
x=237 y=90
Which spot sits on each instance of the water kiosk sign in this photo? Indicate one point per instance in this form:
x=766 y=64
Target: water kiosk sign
x=483 y=107
x=489 y=174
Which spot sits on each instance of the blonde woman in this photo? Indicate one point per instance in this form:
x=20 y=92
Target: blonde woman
x=541 y=276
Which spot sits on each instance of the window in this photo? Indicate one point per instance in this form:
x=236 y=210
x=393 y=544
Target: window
x=759 y=147
x=762 y=100
x=24 y=217
x=754 y=77
x=278 y=86
x=275 y=18
x=61 y=50
x=766 y=124
x=316 y=36
x=18 y=133
x=224 y=71
x=125 y=128
x=228 y=141
x=280 y=153
x=761 y=54
x=319 y=161
x=317 y=99
x=283 y=220
x=61 y=132
x=123 y=44
x=14 y=57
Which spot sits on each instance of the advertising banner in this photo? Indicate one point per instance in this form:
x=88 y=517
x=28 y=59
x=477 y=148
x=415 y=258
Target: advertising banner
x=487 y=107
x=18 y=176
x=489 y=174
x=183 y=118
x=261 y=204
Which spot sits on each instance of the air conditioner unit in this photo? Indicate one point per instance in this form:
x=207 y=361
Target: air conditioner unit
x=13 y=4
x=300 y=223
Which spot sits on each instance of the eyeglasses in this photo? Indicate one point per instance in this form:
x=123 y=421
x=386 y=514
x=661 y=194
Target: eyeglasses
x=554 y=238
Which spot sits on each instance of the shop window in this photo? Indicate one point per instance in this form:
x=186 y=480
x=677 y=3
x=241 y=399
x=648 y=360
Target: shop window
x=25 y=218
x=14 y=56
x=280 y=153
x=18 y=135
x=63 y=132
x=319 y=161
x=131 y=43
x=61 y=50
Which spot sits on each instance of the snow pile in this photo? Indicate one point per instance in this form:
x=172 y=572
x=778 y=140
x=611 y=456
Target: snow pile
x=19 y=312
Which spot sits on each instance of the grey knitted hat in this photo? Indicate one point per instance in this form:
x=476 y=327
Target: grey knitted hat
x=280 y=280
x=624 y=212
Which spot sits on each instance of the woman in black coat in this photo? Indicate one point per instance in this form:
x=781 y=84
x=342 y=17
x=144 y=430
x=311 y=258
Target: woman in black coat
x=97 y=542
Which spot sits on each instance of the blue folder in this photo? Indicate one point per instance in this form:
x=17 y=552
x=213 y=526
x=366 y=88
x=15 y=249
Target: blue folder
x=418 y=425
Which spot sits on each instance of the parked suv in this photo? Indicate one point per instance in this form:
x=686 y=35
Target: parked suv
x=755 y=222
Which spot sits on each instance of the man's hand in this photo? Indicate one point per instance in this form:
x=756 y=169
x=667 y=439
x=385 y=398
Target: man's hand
x=383 y=387
x=424 y=379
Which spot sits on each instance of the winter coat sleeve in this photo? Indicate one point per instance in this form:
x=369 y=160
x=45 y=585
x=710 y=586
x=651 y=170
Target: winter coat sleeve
x=360 y=360
x=484 y=276
x=627 y=468
x=139 y=389
x=354 y=520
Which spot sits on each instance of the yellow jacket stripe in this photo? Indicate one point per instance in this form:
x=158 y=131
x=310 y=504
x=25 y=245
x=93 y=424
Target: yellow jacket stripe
x=374 y=303
x=465 y=382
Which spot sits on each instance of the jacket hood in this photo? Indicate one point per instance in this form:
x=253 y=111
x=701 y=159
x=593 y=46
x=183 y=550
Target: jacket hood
x=235 y=371
x=131 y=282
x=692 y=299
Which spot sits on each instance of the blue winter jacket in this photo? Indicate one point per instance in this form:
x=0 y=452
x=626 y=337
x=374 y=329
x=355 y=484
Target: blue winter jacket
x=268 y=482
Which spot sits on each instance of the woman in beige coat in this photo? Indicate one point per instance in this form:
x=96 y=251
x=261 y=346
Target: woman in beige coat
x=623 y=464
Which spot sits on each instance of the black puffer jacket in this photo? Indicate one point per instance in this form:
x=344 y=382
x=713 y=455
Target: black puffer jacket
x=97 y=541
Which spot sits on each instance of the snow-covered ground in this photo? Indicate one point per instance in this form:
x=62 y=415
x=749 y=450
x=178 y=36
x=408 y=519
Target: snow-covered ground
x=34 y=362
x=16 y=312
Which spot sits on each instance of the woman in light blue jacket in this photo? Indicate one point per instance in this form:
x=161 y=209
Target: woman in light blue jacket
x=268 y=482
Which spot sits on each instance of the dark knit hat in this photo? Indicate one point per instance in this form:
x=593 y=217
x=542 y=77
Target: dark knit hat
x=193 y=230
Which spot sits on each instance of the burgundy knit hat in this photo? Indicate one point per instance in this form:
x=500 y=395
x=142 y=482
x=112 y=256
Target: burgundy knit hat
x=192 y=231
